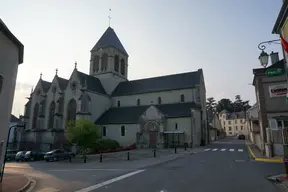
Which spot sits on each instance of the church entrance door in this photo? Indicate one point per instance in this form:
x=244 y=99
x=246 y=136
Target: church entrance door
x=153 y=139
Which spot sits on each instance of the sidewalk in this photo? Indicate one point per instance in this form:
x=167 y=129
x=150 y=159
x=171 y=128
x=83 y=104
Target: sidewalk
x=14 y=183
x=257 y=155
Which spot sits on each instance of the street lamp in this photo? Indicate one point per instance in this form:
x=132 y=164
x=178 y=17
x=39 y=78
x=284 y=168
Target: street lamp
x=7 y=142
x=264 y=57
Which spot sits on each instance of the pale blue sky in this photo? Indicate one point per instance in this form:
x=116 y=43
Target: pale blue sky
x=161 y=36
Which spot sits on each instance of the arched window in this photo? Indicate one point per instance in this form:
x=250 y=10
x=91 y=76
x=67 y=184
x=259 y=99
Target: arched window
x=85 y=100
x=60 y=105
x=51 y=115
x=96 y=63
x=116 y=63
x=42 y=107
x=122 y=131
x=104 y=63
x=159 y=100
x=182 y=98
x=138 y=102
x=35 y=115
x=71 y=110
x=118 y=103
x=122 y=67
x=176 y=126
x=104 y=131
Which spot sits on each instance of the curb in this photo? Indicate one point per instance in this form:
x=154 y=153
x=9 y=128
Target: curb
x=262 y=159
x=29 y=185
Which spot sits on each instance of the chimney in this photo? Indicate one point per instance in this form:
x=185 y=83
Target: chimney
x=274 y=57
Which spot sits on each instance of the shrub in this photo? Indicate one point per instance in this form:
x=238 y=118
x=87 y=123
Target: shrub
x=106 y=144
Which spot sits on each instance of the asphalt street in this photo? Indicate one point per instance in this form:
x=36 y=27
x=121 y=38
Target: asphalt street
x=222 y=166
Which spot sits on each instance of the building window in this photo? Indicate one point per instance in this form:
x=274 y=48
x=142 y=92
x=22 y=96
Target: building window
x=61 y=105
x=85 y=102
x=241 y=128
x=71 y=111
x=104 y=131
x=230 y=128
x=122 y=131
x=230 y=133
x=118 y=103
x=51 y=115
x=235 y=120
x=241 y=121
x=122 y=70
x=224 y=122
x=104 y=63
x=1 y=82
x=229 y=122
x=182 y=98
x=159 y=100
x=224 y=128
x=116 y=63
x=35 y=116
x=176 y=125
x=96 y=63
x=138 y=102
x=236 y=128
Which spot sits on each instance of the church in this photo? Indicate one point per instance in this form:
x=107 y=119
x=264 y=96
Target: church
x=154 y=112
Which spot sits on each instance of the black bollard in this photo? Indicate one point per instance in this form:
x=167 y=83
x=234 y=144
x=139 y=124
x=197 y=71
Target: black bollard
x=100 y=157
x=175 y=149
x=85 y=159
x=154 y=152
x=185 y=148
x=128 y=156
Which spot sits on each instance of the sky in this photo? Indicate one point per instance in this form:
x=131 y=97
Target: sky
x=162 y=37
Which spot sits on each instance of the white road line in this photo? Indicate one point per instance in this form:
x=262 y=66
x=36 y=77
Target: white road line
x=207 y=149
x=63 y=170
x=231 y=149
x=215 y=149
x=223 y=150
x=93 y=187
x=240 y=150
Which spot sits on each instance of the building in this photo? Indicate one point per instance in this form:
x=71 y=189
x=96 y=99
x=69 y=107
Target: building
x=153 y=112
x=15 y=133
x=233 y=123
x=215 y=128
x=11 y=55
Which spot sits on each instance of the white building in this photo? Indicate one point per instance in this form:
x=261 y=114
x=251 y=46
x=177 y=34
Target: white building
x=11 y=54
x=152 y=112
x=233 y=123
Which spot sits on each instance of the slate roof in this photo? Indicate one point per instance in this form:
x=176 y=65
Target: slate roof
x=131 y=115
x=161 y=83
x=109 y=38
x=93 y=83
x=62 y=83
x=45 y=85
x=4 y=29
x=14 y=119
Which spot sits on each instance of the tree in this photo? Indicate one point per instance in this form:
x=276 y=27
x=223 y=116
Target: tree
x=84 y=133
x=211 y=108
x=224 y=104
x=240 y=105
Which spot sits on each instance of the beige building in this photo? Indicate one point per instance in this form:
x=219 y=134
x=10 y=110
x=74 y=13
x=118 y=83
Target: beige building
x=154 y=112
x=11 y=55
x=233 y=123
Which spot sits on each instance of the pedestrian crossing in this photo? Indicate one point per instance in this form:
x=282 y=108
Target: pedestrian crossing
x=223 y=150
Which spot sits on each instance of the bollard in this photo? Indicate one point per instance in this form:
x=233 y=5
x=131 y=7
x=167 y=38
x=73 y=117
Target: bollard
x=101 y=157
x=154 y=152
x=85 y=158
x=175 y=149
x=128 y=156
x=185 y=148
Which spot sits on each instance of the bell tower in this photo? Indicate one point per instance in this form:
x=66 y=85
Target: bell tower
x=109 y=61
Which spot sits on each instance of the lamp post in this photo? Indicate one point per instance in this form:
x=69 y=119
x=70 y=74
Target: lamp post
x=264 y=57
x=7 y=142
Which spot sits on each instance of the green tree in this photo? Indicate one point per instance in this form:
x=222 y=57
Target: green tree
x=211 y=108
x=84 y=133
x=240 y=105
x=224 y=104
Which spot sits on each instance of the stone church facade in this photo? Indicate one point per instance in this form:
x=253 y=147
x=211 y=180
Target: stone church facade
x=162 y=111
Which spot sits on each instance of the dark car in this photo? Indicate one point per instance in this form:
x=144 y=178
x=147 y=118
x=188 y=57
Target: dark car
x=241 y=137
x=20 y=156
x=10 y=155
x=56 y=155
x=34 y=156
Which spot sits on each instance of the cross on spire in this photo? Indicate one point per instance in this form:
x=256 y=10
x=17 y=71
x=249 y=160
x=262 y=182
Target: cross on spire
x=109 y=17
x=56 y=71
x=41 y=75
x=75 y=64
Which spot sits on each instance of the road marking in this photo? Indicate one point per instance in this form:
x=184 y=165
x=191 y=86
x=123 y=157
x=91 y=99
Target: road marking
x=215 y=149
x=223 y=150
x=63 y=170
x=93 y=187
x=207 y=149
x=240 y=150
x=231 y=149
x=48 y=190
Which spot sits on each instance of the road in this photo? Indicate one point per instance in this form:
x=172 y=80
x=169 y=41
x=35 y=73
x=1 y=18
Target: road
x=222 y=166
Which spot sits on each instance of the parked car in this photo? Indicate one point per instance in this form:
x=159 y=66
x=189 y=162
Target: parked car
x=34 y=156
x=56 y=155
x=241 y=137
x=20 y=156
x=10 y=155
